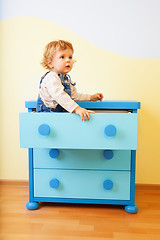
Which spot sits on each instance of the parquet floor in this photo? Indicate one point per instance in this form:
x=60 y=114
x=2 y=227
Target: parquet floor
x=75 y=221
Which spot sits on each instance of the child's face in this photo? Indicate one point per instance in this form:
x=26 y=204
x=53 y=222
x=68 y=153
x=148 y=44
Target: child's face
x=62 y=61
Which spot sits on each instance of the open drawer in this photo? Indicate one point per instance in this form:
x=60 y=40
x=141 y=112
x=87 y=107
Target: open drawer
x=68 y=131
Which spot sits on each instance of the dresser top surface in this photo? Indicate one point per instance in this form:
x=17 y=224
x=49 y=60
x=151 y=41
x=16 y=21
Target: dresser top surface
x=130 y=105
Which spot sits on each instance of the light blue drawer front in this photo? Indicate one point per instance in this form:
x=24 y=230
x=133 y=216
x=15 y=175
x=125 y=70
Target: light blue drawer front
x=82 y=184
x=82 y=159
x=66 y=130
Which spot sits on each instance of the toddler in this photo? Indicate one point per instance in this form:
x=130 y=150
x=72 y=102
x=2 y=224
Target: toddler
x=57 y=93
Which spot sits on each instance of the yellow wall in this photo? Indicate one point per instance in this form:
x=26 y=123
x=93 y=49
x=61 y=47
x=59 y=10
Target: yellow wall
x=118 y=77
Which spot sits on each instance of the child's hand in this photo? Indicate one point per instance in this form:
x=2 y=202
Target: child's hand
x=96 y=97
x=84 y=113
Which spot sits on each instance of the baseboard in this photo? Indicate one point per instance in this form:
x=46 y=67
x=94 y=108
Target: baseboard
x=18 y=183
x=25 y=183
x=140 y=186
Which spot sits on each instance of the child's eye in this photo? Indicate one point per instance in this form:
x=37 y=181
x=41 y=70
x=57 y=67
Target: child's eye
x=62 y=57
x=70 y=57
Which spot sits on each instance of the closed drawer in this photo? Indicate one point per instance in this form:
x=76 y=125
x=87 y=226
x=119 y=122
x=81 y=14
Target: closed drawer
x=65 y=130
x=82 y=184
x=82 y=159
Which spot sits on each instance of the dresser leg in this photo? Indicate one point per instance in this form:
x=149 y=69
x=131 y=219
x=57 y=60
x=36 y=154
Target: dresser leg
x=32 y=205
x=131 y=209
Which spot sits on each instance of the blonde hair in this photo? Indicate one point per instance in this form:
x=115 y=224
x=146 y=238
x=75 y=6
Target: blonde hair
x=50 y=50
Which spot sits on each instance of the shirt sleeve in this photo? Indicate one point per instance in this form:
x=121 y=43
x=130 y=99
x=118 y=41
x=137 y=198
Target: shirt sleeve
x=57 y=93
x=79 y=96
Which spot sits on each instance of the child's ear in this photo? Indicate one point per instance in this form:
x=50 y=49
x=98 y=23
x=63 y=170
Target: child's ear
x=50 y=64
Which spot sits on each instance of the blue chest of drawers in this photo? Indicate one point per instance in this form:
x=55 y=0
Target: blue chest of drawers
x=75 y=161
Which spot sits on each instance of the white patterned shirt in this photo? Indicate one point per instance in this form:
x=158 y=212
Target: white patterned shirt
x=52 y=93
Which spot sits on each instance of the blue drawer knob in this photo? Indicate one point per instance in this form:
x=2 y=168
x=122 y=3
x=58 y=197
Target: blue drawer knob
x=54 y=183
x=54 y=153
x=108 y=154
x=44 y=129
x=108 y=184
x=110 y=130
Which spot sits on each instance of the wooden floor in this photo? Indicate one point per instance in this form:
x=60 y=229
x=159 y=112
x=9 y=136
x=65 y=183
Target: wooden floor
x=75 y=222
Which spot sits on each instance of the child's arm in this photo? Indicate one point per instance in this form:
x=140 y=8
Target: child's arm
x=85 y=97
x=84 y=113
